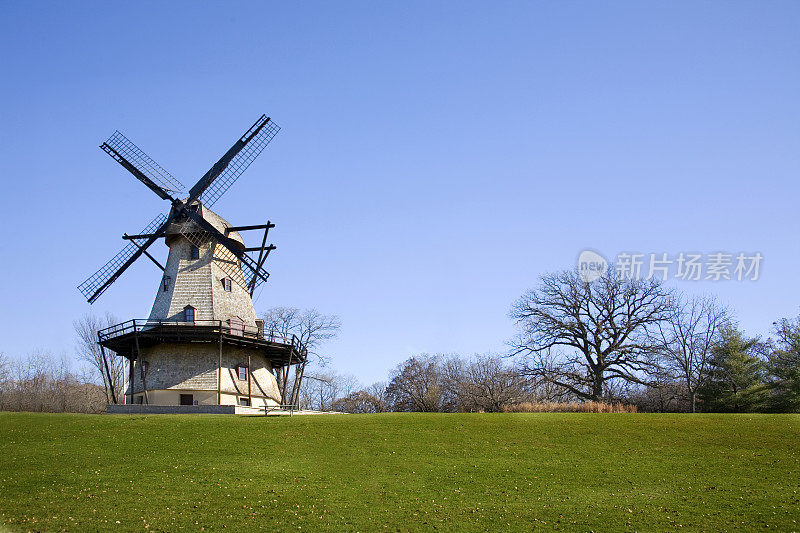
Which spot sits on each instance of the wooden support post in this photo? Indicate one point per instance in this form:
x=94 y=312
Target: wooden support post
x=285 y=383
x=131 y=377
x=261 y=257
x=108 y=373
x=153 y=259
x=219 y=371
x=248 y=228
x=141 y=365
x=292 y=400
x=249 y=376
x=299 y=383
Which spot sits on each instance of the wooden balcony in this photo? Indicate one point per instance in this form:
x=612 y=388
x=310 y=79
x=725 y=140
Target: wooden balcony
x=127 y=338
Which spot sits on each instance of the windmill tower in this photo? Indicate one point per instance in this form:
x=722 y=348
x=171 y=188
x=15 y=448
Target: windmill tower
x=202 y=344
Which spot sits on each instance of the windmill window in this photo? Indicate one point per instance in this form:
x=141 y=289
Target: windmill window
x=244 y=401
x=167 y=279
x=242 y=370
x=226 y=283
x=188 y=314
x=195 y=252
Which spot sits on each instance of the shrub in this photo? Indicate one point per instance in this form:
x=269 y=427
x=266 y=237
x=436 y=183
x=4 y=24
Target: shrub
x=571 y=407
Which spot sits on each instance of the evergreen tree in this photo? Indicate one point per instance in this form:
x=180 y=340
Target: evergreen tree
x=736 y=373
x=784 y=367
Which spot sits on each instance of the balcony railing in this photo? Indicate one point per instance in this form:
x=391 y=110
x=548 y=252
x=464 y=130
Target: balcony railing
x=138 y=325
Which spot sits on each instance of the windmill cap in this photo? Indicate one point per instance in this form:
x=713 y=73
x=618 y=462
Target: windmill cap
x=176 y=228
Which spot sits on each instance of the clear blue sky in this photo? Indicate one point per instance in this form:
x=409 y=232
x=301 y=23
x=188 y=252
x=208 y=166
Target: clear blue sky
x=435 y=157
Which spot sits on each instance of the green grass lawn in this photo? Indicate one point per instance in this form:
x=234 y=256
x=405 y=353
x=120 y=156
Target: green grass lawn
x=457 y=472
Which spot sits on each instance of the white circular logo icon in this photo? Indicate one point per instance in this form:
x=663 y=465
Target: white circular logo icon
x=591 y=265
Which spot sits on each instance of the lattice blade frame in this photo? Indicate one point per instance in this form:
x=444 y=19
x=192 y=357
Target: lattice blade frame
x=125 y=148
x=240 y=162
x=91 y=284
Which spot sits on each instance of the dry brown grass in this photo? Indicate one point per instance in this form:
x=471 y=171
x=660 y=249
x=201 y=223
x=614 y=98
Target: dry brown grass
x=570 y=407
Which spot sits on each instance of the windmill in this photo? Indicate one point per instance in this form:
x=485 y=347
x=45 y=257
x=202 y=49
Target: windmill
x=212 y=272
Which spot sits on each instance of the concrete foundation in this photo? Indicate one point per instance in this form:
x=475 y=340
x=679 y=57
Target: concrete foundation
x=133 y=409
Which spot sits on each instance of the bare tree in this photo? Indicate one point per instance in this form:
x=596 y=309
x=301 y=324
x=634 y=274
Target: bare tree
x=482 y=383
x=687 y=338
x=324 y=389
x=40 y=382
x=281 y=321
x=361 y=401
x=491 y=385
x=378 y=391
x=4 y=369
x=310 y=326
x=665 y=394
x=580 y=335
x=540 y=389
x=6 y=384
x=783 y=368
x=452 y=379
x=111 y=368
x=416 y=385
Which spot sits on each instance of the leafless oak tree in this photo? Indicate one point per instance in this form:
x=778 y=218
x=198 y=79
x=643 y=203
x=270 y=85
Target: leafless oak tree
x=687 y=337
x=579 y=335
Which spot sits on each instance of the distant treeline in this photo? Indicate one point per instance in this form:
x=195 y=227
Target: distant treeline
x=737 y=380
x=605 y=344
x=611 y=345
x=43 y=383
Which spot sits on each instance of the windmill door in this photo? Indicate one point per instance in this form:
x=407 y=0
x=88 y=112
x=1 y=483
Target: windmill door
x=237 y=326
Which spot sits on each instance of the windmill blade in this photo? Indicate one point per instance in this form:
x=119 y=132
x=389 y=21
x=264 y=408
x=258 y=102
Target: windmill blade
x=138 y=163
x=98 y=282
x=227 y=170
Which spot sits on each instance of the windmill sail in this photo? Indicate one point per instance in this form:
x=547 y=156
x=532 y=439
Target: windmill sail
x=264 y=130
x=122 y=149
x=89 y=287
x=209 y=188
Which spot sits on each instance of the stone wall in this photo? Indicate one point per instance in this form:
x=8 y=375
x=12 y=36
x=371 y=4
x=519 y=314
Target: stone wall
x=189 y=284
x=195 y=367
x=199 y=282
